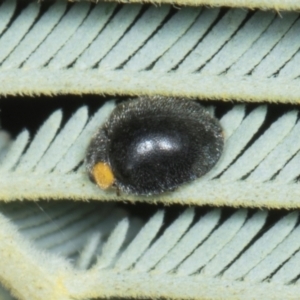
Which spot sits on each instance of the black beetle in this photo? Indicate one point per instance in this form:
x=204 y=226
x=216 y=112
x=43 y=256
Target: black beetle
x=152 y=145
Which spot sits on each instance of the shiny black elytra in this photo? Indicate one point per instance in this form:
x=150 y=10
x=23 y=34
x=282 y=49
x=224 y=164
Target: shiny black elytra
x=151 y=145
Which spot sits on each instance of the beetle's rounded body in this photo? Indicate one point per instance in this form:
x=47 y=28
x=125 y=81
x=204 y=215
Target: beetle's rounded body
x=154 y=145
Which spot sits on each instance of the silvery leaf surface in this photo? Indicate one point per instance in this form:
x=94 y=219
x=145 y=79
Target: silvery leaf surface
x=259 y=166
x=200 y=52
x=276 y=5
x=77 y=250
x=72 y=250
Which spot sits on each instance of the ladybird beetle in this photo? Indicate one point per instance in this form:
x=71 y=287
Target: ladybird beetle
x=152 y=145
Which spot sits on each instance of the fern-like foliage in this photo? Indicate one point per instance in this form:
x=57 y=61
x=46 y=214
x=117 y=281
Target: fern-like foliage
x=258 y=168
x=74 y=250
x=112 y=49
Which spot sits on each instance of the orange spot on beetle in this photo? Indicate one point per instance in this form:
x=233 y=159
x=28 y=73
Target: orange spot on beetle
x=103 y=175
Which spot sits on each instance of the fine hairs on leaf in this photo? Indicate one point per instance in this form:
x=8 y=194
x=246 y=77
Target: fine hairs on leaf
x=67 y=239
x=99 y=249
x=256 y=169
x=216 y=255
x=236 y=53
